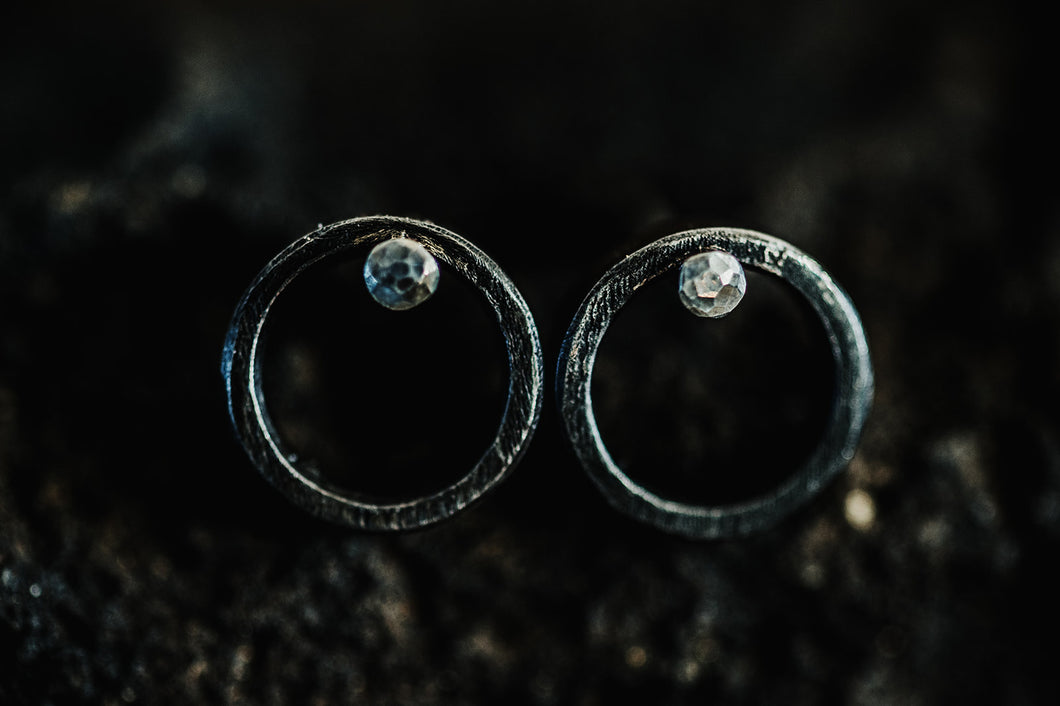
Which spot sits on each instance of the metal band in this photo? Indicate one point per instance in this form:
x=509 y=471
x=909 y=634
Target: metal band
x=241 y=367
x=853 y=374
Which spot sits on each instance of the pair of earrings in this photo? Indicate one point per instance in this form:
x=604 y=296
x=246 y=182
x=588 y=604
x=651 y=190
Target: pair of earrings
x=402 y=270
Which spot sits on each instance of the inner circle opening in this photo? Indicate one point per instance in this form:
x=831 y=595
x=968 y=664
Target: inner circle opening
x=713 y=411
x=379 y=405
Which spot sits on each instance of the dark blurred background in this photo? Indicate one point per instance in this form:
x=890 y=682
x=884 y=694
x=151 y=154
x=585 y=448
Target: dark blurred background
x=152 y=160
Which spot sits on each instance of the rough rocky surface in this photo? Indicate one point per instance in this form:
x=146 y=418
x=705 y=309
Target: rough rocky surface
x=153 y=159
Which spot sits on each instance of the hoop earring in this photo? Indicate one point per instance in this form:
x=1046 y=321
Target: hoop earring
x=401 y=272
x=712 y=283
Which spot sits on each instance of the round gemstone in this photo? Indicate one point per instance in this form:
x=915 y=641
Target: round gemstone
x=712 y=283
x=400 y=273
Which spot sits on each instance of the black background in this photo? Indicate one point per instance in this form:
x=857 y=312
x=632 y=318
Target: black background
x=153 y=159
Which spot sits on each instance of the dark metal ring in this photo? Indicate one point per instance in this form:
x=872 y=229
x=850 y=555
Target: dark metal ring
x=241 y=367
x=853 y=375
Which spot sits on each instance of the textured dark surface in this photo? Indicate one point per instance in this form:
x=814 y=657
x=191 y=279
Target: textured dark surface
x=298 y=475
x=852 y=395
x=153 y=159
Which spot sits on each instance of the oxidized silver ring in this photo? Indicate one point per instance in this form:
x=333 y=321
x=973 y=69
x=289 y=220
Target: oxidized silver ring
x=853 y=375
x=242 y=361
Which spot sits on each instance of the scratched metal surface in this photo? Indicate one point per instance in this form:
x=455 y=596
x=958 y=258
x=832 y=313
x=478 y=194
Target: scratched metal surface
x=242 y=363
x=852 y=397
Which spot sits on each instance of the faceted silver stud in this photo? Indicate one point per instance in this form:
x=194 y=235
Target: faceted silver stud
x=400 y=273
x=712 y=283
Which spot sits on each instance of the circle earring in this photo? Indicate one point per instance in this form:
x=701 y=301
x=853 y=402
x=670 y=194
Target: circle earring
x=401 y=271
x=711 y=284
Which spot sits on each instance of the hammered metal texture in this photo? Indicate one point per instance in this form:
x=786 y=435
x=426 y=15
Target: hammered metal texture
x=241 y=368
x=853 y=379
